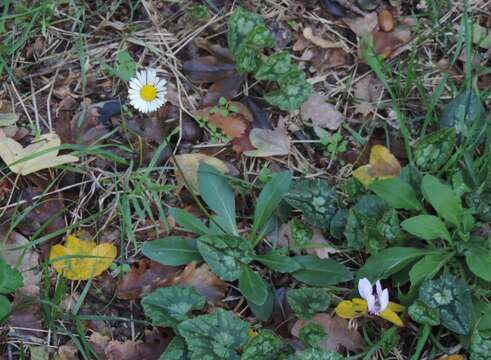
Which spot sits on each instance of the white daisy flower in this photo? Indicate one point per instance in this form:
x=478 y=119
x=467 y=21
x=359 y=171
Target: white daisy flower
x=147 y=92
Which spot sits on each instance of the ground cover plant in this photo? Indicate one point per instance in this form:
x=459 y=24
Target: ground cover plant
x=246 y=180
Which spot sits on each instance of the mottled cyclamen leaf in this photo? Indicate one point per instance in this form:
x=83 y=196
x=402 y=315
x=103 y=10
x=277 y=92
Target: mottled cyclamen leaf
x=307 y=302
x=293 y=92
x=316 y=199
x=311 y=335
x=265 y=346
x=169 y=306
x=423 y=314
x=176 y=350
x=316 y=354
x=301 y=234
x=275 y=66
x=215 y=336
x=240 y=24
x=451 y=297
x=433 y=151
x=480 y=346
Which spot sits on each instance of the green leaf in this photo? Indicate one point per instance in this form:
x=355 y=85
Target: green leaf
x=264 y=311
x=277 y=262
x=10 y=279
x=316 y=199
x=451 y=297
x=316 y=354
x=215 y=336
x=301 y=234
x=240 y=24
x=442 y=198
x=389 y=262
x=423 y=314
x=427 y=227
x=247 y=60
x=252 y=286
x=275 y=66
x=321 y=272
x=5 y=307
x=478 y=259
x=397 y=193
x=218 y=195
x=433 y=151
x=480 y=346
x=265 y=346
x=338 y=223
x=176 y=350
x=307 y=302
x=125 y=67
x=311 y=335
x=259 y=38
x=172 y=250
x=293 y=92
x=224 y=253
x=465 y=114
x=427 y=268
x=170 y=305
x=269 y=199
x=188 y=221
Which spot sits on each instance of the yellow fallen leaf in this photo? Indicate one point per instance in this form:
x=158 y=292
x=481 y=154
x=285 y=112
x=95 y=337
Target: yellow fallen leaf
x=350 y=309
x=452 y=357
x=41 y=154
x=382 y=165
x=189 y=165
x=80 y=259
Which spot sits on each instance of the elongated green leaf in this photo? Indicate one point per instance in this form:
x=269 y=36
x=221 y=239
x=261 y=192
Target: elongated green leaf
x=5 y=307
x=321 y=272
x=264 y=311
x=189 y=222
x=388 y=262
x=427 y=227
x=478 y=259
x=218 y=195
x=277 y=262
x=442 y=198
x=427 y=268
x=269 y=199
x=172 y=250
x=252 y=286
x=397 y=193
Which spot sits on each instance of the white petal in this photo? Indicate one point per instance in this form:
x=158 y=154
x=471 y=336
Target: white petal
x=365 y=288
x=141 y=76
x=378 y=286
x=383 y=300
x=151 y=75
x=372 y=309
x=161 y=84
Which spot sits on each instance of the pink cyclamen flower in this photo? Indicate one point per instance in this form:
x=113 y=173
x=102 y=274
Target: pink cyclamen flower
x=377 y=302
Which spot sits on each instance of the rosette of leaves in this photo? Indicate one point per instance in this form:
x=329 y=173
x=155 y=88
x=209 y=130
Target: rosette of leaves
x=307 y=302
x=266 y=345
x=316 y=199
x=433 y=151
x=169 y=306
x=450 y=296
x=372 y=224
x=247 y=37
x=215 y=336
x=10 y=280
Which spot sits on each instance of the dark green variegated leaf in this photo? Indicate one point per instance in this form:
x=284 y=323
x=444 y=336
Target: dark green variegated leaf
x=307 y=302
x=311 y=335
x=397 y=193
x=433 y=151
x=465 y=113
x=301 y=234
x=275 y=66
x=259 y=38
x=338 y=223
x=316 y=199
x=224 y=253
x=427 y=227
x=176 y=350
x=10 y=279
x=451 y=297
x=252 y=286
x=388 y=225
x=169 y=306
x=265 y=346
x=480 y=346
x=441 y=196
x=321 y=272
x=354 y=232
x=172 y=250
x=277 y=262
x=215 y=336
x=423 y=314
x=316 y=354
x=291 y=96
x=247 y=60
x=240 y=24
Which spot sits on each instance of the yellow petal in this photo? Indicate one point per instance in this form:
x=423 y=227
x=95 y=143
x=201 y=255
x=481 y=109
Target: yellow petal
x=81 y=260
x=352 y=309
x=395 y=307
x=383 y=165
x=391 y=316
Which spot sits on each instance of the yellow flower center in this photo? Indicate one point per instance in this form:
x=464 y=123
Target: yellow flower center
x=148 y=92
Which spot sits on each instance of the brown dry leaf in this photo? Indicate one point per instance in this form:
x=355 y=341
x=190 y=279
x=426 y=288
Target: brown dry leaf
x=362 y=25
x=203 y=280
x=228 y=88
x=338 y=332
x=189 y=165
x=144 y=278
x=207 y=69
x=323 y=247
x=321 y=113
x=367 y=91
x=67 y=352
x=26 y=318
x=99 y=343
x=270 y=142
x=325 y=59
x=319 y=41
x=234 y=124
x=243 y=143
x=151 y=349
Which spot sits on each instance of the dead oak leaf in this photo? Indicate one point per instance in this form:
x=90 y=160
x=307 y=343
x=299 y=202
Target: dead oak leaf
x=203 y=280
x=367 y=92
x=321 y=113
x=269 y=142
x=362 y=25
x=338 y=332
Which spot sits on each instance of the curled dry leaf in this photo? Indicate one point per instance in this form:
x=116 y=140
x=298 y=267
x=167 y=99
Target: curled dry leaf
x=203 y=280
x=150 y=349
x=207 y=69
x=270 y=142
x=228 y=88
x=386 y=43
x=339 y=333
x=41 y=154
x=319 y=41
x=362 y=25
x=321 y=113
x=189 y=165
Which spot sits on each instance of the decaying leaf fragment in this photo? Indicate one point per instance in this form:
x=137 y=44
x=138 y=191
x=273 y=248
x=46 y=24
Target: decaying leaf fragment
x=382 y=165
